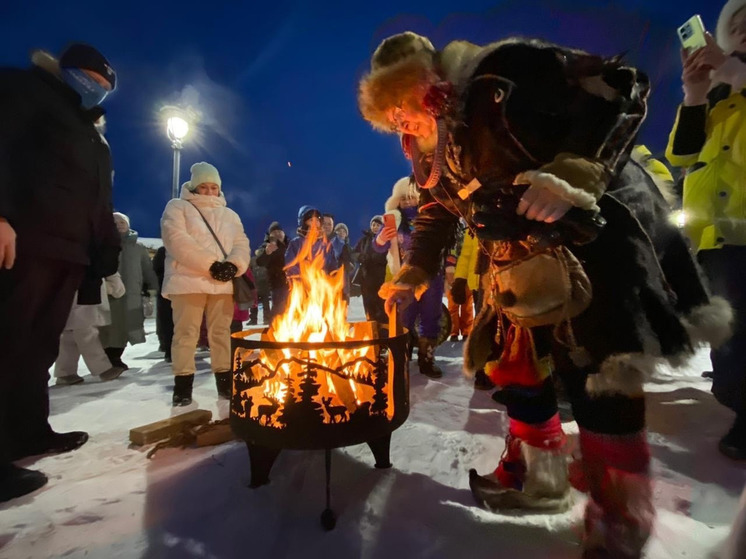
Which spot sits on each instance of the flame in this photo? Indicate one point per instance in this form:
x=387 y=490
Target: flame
x=317 y=312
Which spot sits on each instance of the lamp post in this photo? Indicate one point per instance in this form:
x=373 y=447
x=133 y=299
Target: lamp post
x=177 y=128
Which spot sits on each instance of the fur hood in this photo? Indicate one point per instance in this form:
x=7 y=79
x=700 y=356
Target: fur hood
x=403 y=187
x=726 y=14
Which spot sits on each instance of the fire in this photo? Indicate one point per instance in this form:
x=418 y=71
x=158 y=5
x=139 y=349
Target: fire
x=317 y=312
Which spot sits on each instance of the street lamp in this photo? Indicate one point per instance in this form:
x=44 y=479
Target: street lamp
x=177 y=128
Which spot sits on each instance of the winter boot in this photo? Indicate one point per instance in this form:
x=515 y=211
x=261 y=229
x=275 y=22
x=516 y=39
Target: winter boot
x=115 y=357
x=68 y=380
x=111 y=373
x=482 y=381
x=532 y=474
x=183 y=390
x=16 y=482
x=50 y=443
x=619 y=514
x=733 y=444
x=426 y=358
x=224 y=382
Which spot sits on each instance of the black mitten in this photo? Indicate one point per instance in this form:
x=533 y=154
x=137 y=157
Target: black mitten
x=458 y=291
x=223 y=271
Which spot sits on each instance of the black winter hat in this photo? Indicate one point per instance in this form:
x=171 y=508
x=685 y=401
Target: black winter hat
x=274 y=226
x=80 y=55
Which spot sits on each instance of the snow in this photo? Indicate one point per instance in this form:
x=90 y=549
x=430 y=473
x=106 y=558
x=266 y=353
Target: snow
x=107 y=500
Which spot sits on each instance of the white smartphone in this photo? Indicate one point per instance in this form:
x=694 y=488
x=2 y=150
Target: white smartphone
x=692 y=34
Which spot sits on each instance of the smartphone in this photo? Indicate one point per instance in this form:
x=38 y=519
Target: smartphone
x=389 y=221
x=692 y=34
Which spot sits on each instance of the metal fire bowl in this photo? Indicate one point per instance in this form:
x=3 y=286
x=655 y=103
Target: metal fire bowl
x=306 y=435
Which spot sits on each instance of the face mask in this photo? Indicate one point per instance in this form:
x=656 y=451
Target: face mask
x=91 y=92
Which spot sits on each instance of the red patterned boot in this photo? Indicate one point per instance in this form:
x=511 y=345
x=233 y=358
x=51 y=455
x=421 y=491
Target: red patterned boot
x=620 y=513
x=532 y=474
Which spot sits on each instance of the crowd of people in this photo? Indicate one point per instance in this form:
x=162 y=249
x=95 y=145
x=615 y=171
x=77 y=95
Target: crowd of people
x=526 y=209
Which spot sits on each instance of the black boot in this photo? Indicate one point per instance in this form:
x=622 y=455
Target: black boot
x=115 y=356
x=482 y=381
x=183 y=390
x=53 y=443
x=16 y=482
x=733 y=444
x=426 y=358
x=224 y=382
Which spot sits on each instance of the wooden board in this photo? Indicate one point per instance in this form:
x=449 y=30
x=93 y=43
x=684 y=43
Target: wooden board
x=154 y=432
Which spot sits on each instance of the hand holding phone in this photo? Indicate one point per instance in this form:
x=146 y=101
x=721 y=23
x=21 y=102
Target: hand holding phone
x=692 y=34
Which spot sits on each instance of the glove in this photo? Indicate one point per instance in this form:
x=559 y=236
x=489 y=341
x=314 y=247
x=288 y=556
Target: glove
x=458 y=291
x=114 y=285
x=223 y=271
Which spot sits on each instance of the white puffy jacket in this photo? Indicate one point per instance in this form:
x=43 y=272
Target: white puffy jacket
x=191 y=249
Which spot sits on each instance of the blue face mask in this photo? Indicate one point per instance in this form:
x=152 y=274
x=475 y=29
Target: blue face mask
x=91 y=92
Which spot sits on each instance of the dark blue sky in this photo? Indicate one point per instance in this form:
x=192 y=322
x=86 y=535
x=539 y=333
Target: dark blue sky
x=276 y=83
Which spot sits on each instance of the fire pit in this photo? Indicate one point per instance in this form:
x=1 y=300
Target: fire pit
x=313 y=381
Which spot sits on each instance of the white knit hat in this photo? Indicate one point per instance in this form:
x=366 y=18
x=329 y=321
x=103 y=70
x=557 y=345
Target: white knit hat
x=122 y=216
x=726 y=14
x=201 y=173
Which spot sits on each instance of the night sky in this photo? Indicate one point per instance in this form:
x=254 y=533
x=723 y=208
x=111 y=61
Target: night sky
x=275 y=84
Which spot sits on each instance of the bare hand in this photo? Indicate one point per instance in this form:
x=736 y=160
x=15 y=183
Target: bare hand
x=697 y=67
x=386 y=234
x=271 y=247
x=7 y=245
x=541 y=204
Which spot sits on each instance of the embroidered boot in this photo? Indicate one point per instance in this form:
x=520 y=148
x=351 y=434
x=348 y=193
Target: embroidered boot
x=426 y=358
x=619 y=514
x=532 y=474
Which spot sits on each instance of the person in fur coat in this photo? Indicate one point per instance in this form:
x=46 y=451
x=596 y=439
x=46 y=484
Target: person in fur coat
x=708 y=138
x=198 y=278
x=529 y=143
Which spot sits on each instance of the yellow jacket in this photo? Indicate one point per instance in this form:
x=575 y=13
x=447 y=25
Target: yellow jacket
x=466 y=265
x=714 y=200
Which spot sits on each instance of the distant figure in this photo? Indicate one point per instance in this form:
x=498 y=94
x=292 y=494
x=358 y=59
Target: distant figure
x=271 y=255
x=309 y=223
x=164 y=319
x=371 y=272
x=127 y=316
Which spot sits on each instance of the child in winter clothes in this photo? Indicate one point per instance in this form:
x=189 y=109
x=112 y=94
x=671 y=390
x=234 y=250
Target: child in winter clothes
x=403 y=205
x=462 y=311
x=81 y=338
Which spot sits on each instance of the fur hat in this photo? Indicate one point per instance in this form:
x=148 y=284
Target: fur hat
x=401 y=70
x=726 y=15
x=376 y=219
x=201 y=173
x=120 y=215
x=405 y=186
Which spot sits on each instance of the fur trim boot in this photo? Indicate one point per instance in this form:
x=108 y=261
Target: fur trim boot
x=224 y=383
x=619 y=514
x=426 y=358
x=183 y=390
x=532 y=474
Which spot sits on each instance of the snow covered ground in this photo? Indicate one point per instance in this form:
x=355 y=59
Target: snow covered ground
x=107 y=500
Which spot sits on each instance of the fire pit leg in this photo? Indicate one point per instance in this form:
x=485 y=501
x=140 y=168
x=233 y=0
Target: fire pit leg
x=380 y=448
x=261 y=459
x=328 y=518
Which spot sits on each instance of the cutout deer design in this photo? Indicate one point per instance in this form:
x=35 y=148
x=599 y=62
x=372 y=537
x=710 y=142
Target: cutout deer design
x=266 y=411
x=334 y=411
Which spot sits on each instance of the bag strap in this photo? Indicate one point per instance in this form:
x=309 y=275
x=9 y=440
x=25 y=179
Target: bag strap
x=225 y=254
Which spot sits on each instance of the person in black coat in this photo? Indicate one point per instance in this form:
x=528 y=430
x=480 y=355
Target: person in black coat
x=271 y=255
x=164 y=319
x=371 y=272
x=57 y=236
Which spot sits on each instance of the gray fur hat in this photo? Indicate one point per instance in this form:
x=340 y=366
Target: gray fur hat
x=726 y=14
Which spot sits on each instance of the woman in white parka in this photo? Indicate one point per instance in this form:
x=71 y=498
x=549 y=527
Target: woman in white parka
x=198 y=276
